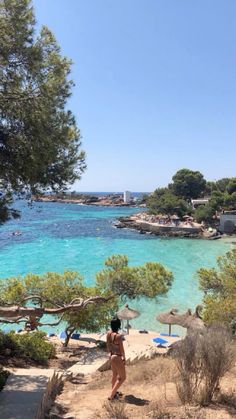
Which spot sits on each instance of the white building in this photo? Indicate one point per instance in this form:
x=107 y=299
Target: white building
x=200 y=201
x=127 y=197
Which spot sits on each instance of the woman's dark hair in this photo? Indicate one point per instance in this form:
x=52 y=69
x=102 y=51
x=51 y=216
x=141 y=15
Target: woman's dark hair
x=115 y=324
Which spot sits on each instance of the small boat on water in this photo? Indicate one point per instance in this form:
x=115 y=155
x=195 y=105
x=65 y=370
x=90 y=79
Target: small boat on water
x=17 y=233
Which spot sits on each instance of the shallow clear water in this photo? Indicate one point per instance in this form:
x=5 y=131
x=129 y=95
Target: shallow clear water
x=56 y=237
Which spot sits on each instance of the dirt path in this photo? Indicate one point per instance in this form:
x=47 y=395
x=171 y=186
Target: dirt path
x=149 y=392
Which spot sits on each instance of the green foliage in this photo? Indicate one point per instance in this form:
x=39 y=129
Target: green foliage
x=58 y=290
x=40 y=141
x=34 y=346
x=218 y=285
x=117 y=280
x=117 y=262
x=94 y=317
x=53 y=287
x=217 y=200
x=188 y=184
x=3 y=377
x=210 y=187
x=7 y=343
x=225 y=185
x=174 y=199
x=148 y=280
x=28 y=345
x=231 y=188
x=223 y=200
x=163 y=201
x=222 y=184
x=230 y=201
x=204 y=213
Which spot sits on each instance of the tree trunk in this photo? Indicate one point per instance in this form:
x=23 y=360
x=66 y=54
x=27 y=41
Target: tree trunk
x=69 y=332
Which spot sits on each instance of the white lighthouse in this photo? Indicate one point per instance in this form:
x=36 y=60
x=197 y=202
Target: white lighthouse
x=127 y=196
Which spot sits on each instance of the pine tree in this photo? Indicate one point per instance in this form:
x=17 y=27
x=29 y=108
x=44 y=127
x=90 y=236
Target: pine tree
x=40 y=143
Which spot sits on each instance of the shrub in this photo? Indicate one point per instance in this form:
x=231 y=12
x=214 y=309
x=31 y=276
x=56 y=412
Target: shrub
x=204 y=213
x=202 y=360
x=34 y=346
x=115 y=410
x=158 y=410
x=29 y=345
x=8 y=345
x=229 y=398
x=3 y=377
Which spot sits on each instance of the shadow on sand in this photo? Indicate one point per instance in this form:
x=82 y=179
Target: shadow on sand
x=131 y=399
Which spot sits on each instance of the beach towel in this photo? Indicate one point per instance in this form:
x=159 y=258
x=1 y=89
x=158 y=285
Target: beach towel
x=161 y=342
x=75 y=336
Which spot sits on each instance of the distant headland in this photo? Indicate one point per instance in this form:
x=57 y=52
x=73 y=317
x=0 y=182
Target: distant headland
x=125 y=199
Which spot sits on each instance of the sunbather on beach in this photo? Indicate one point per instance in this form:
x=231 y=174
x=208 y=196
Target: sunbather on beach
x=117 y=357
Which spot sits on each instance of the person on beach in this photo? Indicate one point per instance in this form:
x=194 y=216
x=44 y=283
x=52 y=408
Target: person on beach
x=117 y=357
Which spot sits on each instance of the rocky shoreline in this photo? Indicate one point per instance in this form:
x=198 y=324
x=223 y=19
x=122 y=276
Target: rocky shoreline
x=144 y=227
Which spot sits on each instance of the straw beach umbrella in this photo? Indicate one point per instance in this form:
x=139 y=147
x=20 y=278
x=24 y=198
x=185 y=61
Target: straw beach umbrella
x=174 y=217
x=167 y=318
x=127 y=314
x=187 y=320
x=188 y=217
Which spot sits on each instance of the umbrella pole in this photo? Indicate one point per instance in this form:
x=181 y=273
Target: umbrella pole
x=169 y=329
x=127 y=327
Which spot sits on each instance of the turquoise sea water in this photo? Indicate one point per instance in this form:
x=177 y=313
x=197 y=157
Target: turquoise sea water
x=58 y=237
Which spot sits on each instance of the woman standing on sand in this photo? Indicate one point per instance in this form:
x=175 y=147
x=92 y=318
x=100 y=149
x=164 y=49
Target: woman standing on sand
x=117 y=357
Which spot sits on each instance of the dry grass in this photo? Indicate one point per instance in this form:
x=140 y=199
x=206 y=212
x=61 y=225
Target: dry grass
x=228 y=399
x=158 y=370
x=158 y=410
x=100 y=380
x=148 y=393
x=202 y=360
x=115 y=410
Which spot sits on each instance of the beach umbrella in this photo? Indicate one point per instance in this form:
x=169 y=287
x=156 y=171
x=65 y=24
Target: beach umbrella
x=188 y=217
x=174 y=217
x=186 y=320
x=127 y=314
x=167 y=318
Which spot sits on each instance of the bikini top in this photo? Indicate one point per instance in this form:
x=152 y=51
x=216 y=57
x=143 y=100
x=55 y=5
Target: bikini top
x=113 y=347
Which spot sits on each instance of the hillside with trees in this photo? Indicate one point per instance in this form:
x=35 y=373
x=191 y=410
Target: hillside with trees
x=187 y=185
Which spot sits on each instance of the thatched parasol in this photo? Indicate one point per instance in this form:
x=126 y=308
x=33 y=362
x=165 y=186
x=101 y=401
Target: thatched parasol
x=167 y=318
x=188 y=320
x=127 y=314
x=174 y=217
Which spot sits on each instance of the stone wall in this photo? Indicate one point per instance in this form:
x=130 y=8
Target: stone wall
x=168 y=230
x=227 y=223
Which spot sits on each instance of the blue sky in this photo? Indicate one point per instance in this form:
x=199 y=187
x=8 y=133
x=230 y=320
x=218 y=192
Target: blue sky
x=155 y=87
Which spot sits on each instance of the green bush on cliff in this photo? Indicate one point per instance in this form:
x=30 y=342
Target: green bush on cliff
x=28 y=345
